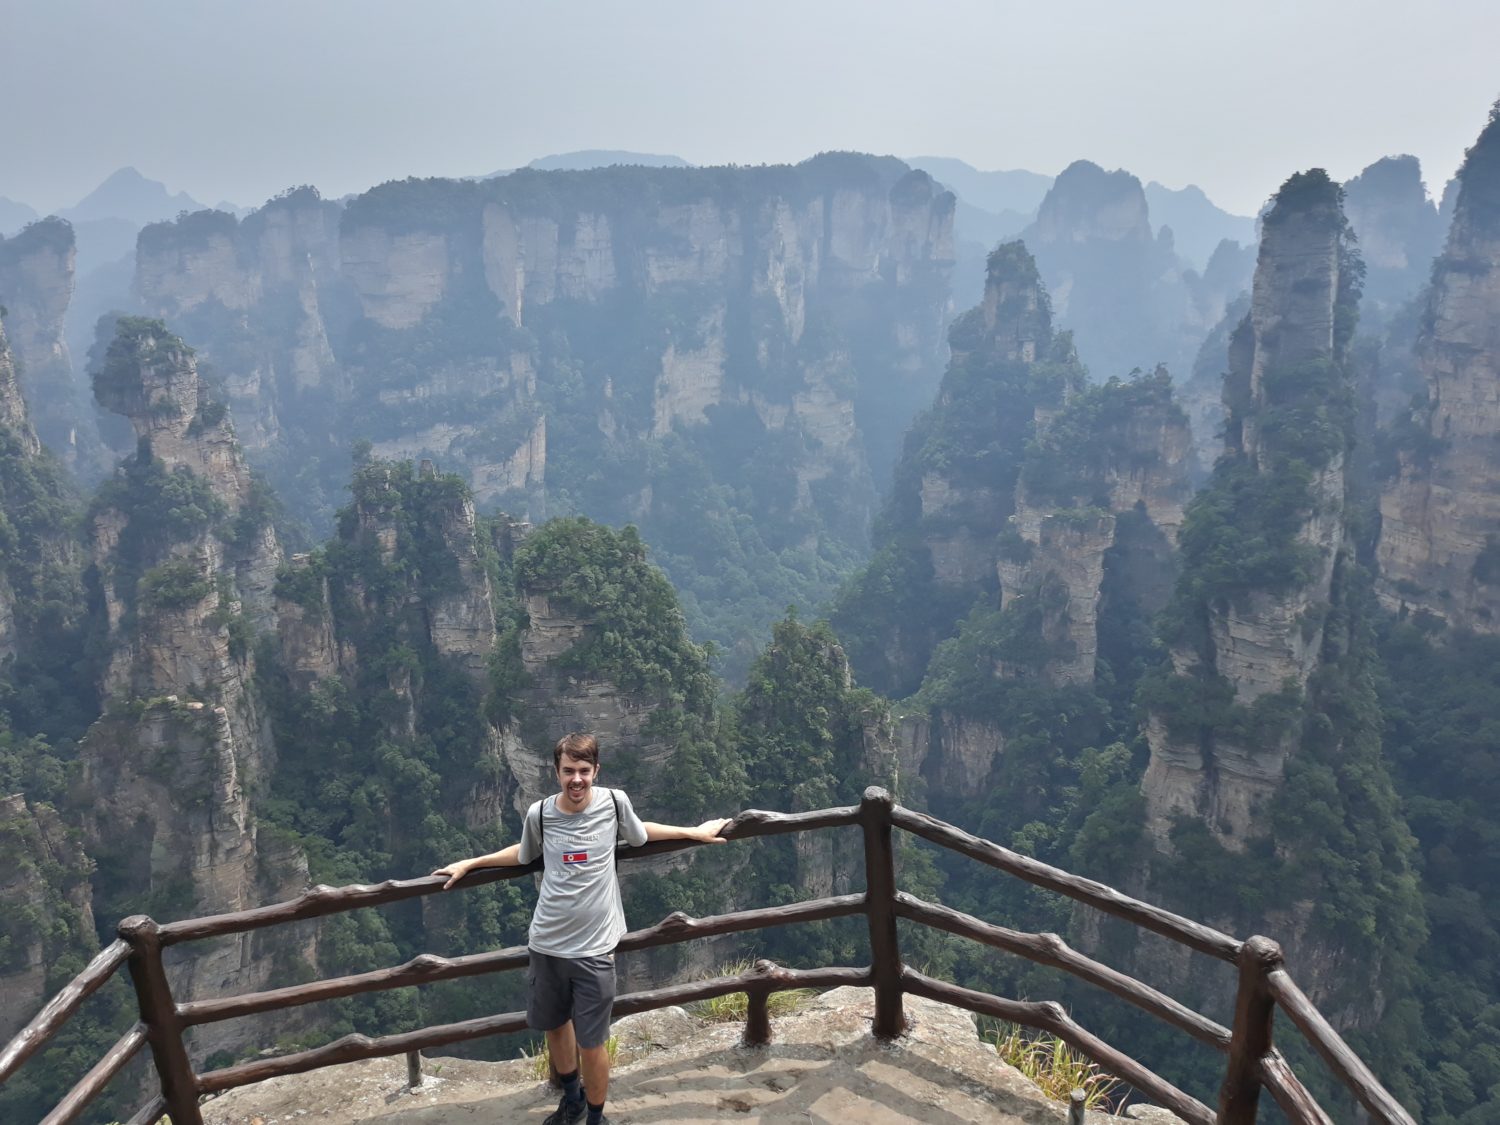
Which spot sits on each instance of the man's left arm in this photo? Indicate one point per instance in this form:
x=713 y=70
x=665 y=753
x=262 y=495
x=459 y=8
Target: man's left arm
x=635 y=831
x=705 y=833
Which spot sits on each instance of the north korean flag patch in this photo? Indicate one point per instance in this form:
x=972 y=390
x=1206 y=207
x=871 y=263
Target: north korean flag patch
x=575 y=857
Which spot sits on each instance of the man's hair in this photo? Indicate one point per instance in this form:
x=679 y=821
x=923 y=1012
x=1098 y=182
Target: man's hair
x=580 y=746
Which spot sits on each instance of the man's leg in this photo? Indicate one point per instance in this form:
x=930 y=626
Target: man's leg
x=595 y=1073
x=593 y=1005
x=548 y=1000
x=563 y=1048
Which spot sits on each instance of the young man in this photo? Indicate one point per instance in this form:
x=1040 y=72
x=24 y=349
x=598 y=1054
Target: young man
x=579 y=918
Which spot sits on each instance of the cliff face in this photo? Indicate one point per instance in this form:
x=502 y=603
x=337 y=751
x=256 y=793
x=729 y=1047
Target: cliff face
x=1130 y=301
x=44 y=894
x=594 y=337
x=729 y=286
x=1398 y=229
x=13 y=413
x=1024 y=497
x=1266 y=735
x=175 y=769
x=1439 y=549
x=23 y=441
x=1289 y=419
x=574 y=672
x=253 y=295
x=39 y=562
x=36 y=286
x=47 y=904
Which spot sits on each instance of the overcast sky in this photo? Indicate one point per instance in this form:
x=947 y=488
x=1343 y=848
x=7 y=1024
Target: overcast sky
x=238 y=100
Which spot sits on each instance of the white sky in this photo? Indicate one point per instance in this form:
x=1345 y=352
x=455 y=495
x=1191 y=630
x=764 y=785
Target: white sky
x=238 y=99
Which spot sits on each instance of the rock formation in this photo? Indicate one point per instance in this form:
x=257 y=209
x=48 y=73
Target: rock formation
x=1439 y=549
x=44 y=895
x=252 y=293
x=174 y=771
x=36 y=286
x=1130 y=302
x=22 y=443
x=591 y=339
x=1023 y=495
x=45 y=904
x=39 y=588
x=385 y=638
x=1398 y=229
x=573 y=652
x=1256 y=621
x=13 y=413
x=956 y=484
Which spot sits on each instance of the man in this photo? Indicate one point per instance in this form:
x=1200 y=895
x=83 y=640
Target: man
x=579 y=918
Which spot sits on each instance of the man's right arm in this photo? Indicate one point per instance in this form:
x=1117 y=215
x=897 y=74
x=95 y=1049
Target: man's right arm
x=505 y=857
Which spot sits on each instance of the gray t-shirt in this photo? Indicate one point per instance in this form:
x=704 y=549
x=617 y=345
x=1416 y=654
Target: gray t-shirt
x=578 y=910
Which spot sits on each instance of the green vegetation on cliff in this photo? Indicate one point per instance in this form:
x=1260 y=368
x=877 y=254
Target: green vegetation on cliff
x=1330 y=851
x=377 y=763
x=1069 y=464
x=813 y=740
x=690 y=341
x=1441 y=704
x=636 y=638
x=1007 y=367
x=43 y=688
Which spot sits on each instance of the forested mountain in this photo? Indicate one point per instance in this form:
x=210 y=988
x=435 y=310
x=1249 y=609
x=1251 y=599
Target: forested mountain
x=726 y=357
x=244 y=724
x=1221 y=633
x=1252 y=705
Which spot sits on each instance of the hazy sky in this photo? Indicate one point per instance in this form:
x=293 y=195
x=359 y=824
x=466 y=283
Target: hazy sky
x=237 y=100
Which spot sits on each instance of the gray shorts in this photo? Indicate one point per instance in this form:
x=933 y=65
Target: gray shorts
x=578 y=988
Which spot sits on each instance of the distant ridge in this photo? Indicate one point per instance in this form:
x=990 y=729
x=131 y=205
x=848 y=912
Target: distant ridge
x=14 y=215
x=999 y=191
x=587 y=158
x=1198 y=224
x=127 y=194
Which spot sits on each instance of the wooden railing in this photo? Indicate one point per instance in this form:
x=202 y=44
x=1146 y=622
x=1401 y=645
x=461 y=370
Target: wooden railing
x=1252 y=1062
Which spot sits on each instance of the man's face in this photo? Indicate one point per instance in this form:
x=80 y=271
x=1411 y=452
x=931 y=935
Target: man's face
x=576 y=778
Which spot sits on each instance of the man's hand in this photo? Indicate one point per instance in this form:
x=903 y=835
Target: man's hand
x=709 y=831
x=454 y=871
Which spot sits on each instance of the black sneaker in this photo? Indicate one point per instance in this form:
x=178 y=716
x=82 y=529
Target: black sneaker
x=567 y=1112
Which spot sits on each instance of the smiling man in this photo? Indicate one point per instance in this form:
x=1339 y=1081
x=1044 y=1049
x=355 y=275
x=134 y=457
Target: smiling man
x=579 y=918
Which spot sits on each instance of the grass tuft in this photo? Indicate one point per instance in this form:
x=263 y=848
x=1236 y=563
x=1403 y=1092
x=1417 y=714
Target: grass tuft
x=734 y=1006
x=539 y=1059
x=1055 y=1067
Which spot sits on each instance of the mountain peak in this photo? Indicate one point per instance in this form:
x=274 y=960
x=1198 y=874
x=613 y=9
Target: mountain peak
x=1086 y=202
x=127 y=194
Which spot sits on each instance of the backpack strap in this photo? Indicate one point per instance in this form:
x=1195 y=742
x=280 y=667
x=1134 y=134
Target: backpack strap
x=616 y=795
x=540 y=824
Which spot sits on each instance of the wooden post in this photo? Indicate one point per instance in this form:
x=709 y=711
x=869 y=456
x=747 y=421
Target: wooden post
x=413 y=1069
x=1254 y=1011
x=1077 y=1101
x=758 y=1018
x=179 y=1086
x=758 y=1010
x=880 y=909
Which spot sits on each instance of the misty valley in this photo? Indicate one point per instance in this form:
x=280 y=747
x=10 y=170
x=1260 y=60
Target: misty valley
x=1153 y=542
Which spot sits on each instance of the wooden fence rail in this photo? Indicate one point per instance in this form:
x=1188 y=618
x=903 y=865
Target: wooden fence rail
x=61 y=1007
x=1252 y=1062
x=1051 y=950
x=1347 y=1067
x=1051 y=1017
